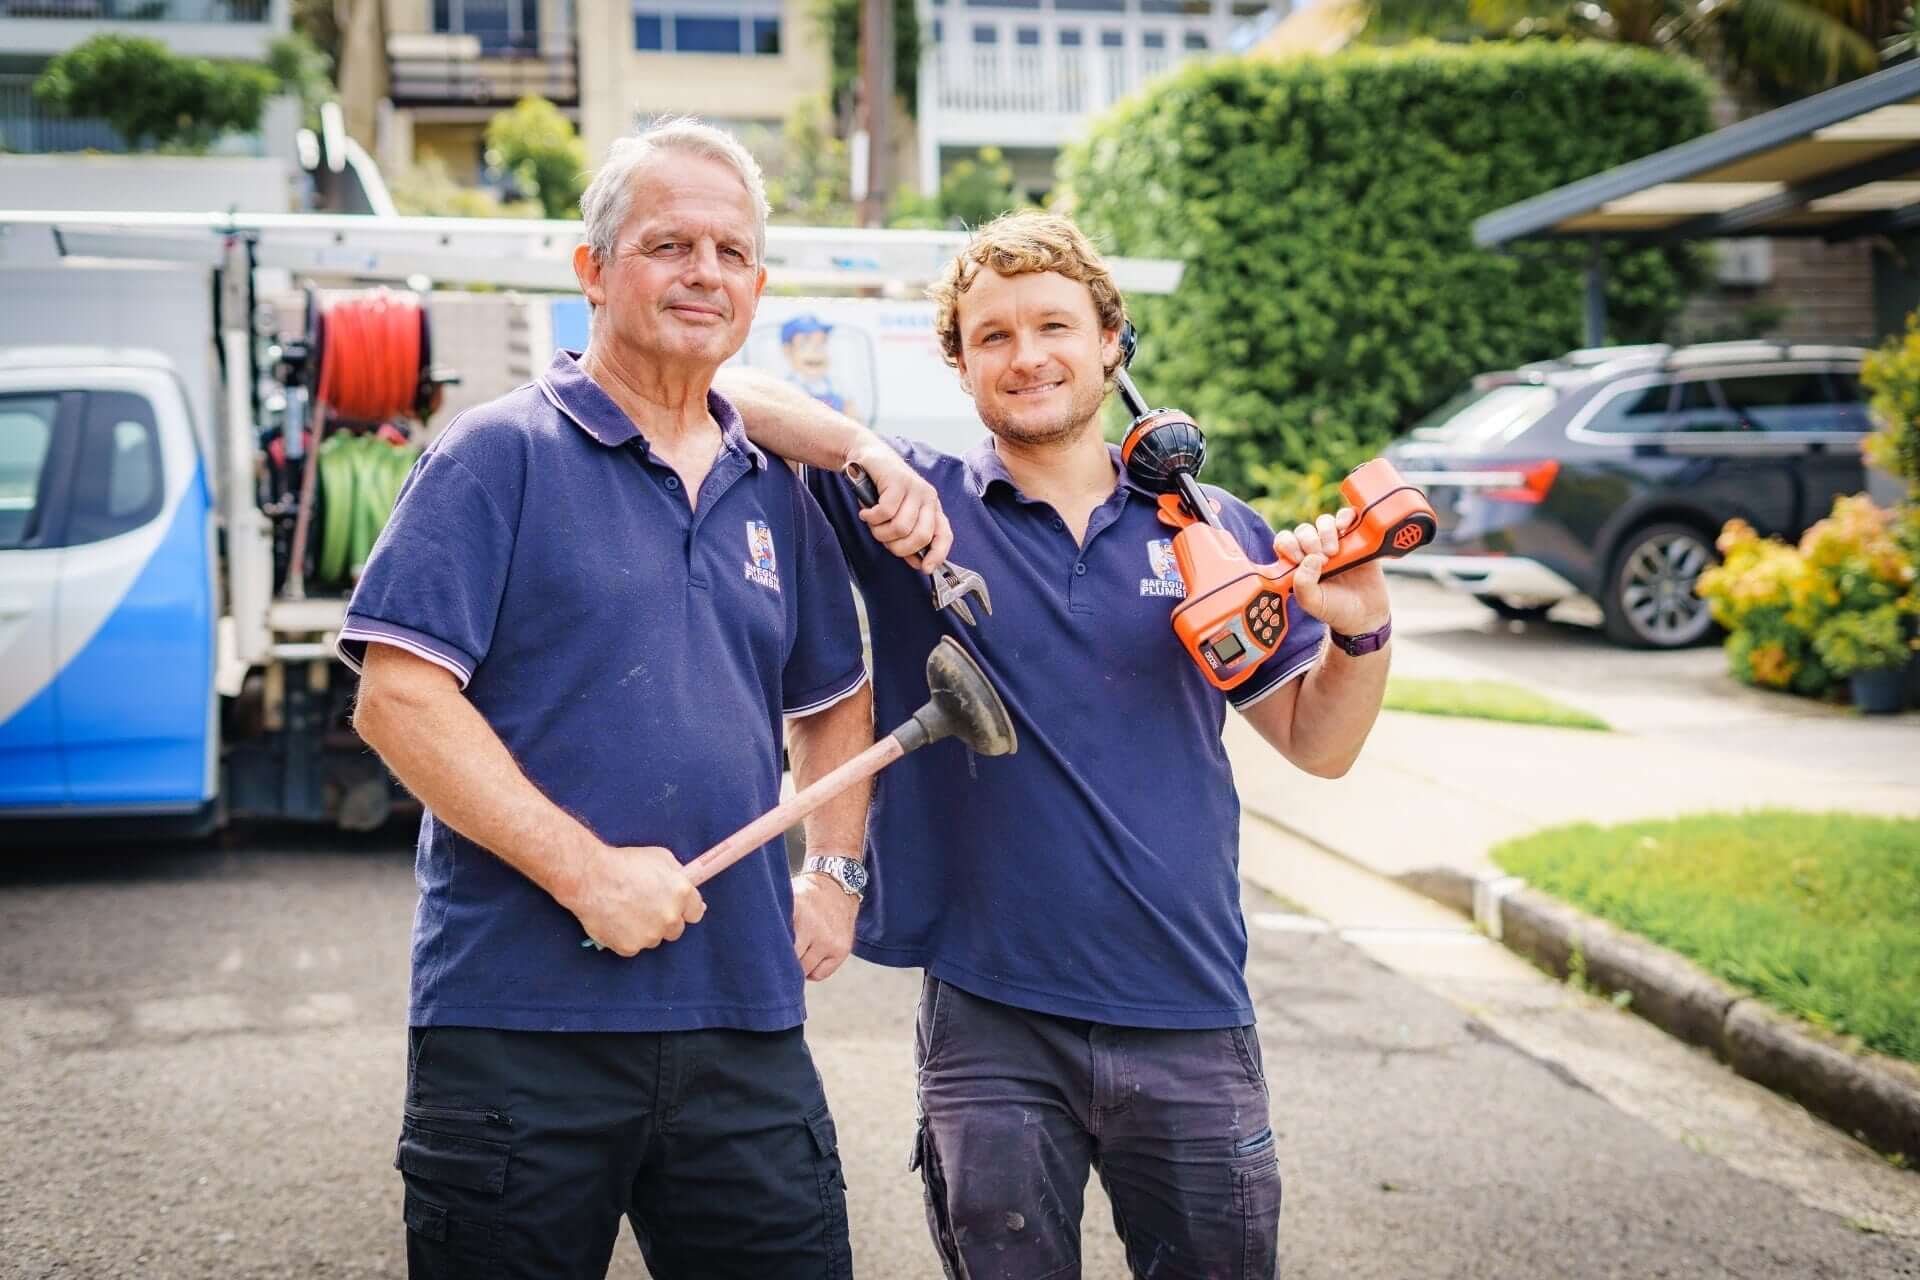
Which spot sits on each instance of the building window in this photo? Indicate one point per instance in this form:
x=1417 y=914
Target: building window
x=1069 y=38
x=503 y=26
x=986 y=35
x=1194 y=40
x=1153 y=39
x=1101 y=6
x=1028 y=36
x=1113 y=39
x=693 y=27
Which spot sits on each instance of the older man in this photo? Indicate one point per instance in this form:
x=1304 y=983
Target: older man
x=1076 y=908
x=581 y=631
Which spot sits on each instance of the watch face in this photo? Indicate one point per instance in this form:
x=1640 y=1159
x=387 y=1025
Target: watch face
x=855 y=874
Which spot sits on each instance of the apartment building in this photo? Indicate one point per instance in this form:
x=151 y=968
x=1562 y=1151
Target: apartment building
x=32 y=32
x=608 y=64
x=1026 y=76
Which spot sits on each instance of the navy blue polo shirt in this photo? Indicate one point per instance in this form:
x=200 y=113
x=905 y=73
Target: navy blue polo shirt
x=636 y=656
x=1095 y=873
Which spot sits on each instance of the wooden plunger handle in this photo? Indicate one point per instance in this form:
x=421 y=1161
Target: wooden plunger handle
x=792 y=809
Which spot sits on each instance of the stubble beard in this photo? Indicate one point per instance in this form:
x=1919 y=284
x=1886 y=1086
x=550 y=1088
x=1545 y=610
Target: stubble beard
x=1082 y=412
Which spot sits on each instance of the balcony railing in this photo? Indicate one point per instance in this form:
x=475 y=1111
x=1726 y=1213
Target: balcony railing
x=26 y=126
x=1055 y=67
x=450 y=69
x=207 y=11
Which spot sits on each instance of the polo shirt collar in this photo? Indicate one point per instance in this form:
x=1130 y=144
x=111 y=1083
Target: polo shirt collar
x=568 y=388
x=985 y=468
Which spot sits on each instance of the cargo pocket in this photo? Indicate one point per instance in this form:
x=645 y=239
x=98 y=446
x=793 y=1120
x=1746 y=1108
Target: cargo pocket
x=454 y=1185
x=833 y=1194
x=933 y=1185
x=1256 y=1201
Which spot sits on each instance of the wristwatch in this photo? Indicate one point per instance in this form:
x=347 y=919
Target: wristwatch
x=849 y=873
x=1357 y=646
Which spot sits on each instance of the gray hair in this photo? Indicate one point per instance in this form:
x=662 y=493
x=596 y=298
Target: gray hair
x=608 y=200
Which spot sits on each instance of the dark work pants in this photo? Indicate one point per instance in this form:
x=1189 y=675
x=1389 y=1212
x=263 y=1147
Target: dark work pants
x=1016 y=1107
x=521 y=1150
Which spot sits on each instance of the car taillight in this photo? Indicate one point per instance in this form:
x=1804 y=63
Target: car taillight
x=1536 y=478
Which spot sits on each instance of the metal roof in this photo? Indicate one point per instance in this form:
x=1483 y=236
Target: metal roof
x=522 y=253
x=1838 y=165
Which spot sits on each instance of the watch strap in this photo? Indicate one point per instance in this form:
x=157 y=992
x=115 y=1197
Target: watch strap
x=849 y=873
x=1361 y=645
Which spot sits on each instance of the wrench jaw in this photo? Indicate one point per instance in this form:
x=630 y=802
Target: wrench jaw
x=952 y=585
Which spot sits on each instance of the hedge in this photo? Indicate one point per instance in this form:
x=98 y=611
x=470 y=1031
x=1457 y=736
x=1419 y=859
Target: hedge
x=1324 y=209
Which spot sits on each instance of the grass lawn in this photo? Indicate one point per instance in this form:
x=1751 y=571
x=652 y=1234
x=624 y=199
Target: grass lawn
x=1818 y=914
x=1483 y=700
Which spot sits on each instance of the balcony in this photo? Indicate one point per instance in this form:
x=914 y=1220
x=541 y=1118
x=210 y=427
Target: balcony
x=472 y=70
x=1033 y=77
x=204 y=28
x=27 y=127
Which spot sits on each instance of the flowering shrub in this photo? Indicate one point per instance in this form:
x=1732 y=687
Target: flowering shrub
x=1804 y=618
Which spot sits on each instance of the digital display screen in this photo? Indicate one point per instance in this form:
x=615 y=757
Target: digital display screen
x=1227 y=648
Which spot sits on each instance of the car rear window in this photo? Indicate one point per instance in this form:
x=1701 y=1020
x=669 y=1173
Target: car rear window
x=1482 y=419
x=1804 y=400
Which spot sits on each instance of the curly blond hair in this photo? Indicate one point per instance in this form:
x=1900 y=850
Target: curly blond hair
x=1016 y=244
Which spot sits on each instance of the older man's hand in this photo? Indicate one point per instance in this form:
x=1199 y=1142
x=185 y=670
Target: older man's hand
x=907 y=519
x=632 y=899
x=823 y=918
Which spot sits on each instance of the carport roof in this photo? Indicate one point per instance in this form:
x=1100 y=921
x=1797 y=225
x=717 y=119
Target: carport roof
x=1838 y=165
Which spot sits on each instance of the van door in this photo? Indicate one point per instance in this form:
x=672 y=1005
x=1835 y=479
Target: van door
x=33 y=429
x=135 y=697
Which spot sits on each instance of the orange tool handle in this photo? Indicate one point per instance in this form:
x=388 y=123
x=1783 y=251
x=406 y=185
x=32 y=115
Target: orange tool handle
x=1235 y=613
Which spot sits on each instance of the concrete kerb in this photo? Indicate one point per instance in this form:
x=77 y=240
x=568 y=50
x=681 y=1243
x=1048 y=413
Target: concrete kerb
x=1873 y=1097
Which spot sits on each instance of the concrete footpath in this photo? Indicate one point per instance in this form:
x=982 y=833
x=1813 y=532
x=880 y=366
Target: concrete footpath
x=1431 y=795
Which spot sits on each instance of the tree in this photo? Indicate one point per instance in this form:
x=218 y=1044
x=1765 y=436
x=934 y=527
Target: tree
x=808 y=171
x=305 y=71
x=152 y=96
x=840 y=23
x=538 y=146
x=1776 y=49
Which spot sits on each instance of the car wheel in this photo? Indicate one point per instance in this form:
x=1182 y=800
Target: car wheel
x=1516 y=612
x=1650 y=601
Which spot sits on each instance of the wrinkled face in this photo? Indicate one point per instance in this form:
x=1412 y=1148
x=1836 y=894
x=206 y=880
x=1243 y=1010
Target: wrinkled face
x=807 y=353
x=1033 y=355
x=682 y=281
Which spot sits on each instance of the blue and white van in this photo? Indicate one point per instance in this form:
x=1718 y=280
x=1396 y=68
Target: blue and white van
x=107 y=590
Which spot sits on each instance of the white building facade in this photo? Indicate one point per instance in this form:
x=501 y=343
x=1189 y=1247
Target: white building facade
x=1027 y=75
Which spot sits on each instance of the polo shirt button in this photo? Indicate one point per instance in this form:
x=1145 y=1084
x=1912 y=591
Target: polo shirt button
x=1059 y=523
x=1080 y=571
x=673 y=482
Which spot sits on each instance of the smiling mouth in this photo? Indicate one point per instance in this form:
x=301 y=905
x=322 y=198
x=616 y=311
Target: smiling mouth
x=686 y=309
x=1042 y=389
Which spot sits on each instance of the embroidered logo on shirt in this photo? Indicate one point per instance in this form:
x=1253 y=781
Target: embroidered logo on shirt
x=1166 y=579
x=761 y=568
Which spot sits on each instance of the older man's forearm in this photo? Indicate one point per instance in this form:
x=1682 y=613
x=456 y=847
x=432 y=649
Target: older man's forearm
x=786 y=420
x=821 y=743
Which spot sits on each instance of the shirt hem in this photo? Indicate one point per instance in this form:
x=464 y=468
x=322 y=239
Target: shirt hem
x=818 y=705
x=1053 y=1003
x=702 y=1018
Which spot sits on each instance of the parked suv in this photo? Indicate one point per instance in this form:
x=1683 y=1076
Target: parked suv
x=1609 y=472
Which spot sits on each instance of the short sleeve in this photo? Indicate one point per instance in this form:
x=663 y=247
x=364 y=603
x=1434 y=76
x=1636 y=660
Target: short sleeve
x=1305 y=633
x=825 y=663
x=434 y=581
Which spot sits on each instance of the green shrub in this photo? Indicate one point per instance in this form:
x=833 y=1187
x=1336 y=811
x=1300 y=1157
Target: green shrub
x=153 y=97
x=538 y=146
x=1892 y=376
x=1324 y=209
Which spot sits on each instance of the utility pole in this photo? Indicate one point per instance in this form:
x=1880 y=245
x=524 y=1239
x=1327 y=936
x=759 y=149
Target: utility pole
x=876 y=106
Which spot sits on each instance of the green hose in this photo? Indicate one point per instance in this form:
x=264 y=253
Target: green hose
x=360 y=476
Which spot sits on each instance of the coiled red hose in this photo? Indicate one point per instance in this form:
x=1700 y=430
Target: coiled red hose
x=370 y=355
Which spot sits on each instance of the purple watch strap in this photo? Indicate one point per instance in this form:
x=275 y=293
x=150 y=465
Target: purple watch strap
x=1356 y=646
